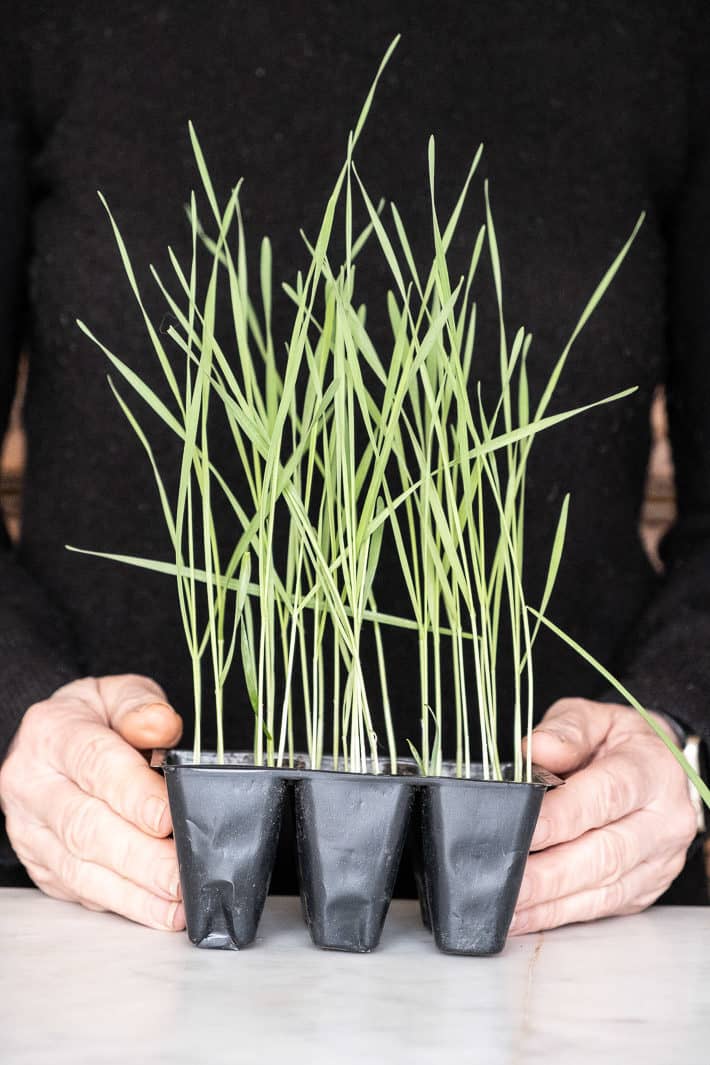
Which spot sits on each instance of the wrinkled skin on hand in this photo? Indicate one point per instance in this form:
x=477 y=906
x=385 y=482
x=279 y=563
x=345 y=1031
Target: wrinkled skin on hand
x=614 y=837
x=84 y=813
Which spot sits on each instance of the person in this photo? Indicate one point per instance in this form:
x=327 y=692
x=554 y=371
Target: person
x=588 y=115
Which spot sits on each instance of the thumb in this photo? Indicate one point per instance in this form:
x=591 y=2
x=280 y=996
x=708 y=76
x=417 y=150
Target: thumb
x=569 y=734
x=138 y=710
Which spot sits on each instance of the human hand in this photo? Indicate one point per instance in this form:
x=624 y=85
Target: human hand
x=615 y=836
x=85 y=814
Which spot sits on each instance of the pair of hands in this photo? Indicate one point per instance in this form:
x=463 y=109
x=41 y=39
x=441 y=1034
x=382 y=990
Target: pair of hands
x=90 y=820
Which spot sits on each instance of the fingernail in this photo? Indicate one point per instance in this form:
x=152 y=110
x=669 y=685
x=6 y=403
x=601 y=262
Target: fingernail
x=162 y=912
x=177 y=916
x=159 y=706
x=154 y=811
x=518 y=924
x=167 y=915
x=542 y=833
x=167 y=878
x=156 y=716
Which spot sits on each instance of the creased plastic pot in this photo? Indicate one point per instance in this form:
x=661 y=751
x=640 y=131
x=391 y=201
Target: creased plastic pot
x=226 y=828
x=475 y=838
x=350 y=831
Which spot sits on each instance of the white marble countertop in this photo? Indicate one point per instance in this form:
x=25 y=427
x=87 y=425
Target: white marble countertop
x=82 y=987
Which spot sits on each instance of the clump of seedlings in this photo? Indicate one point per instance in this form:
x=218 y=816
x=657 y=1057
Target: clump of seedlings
x=339 y=444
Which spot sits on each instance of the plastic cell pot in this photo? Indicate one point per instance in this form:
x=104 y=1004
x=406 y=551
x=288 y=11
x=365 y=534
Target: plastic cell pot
x=474 y=839
x=350 y=831
x=226 y=827
x=469 y=840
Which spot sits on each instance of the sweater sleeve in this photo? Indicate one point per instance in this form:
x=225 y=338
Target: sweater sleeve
x=36 y=655
x=666 y=663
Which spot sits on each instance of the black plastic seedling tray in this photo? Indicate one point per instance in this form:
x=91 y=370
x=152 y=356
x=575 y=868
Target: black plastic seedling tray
x=469 y=838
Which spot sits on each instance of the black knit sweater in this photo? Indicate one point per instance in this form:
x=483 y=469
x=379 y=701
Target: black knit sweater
x=589 y=113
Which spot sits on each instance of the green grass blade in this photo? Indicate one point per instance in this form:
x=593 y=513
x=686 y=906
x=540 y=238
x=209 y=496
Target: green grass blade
x=699 y=784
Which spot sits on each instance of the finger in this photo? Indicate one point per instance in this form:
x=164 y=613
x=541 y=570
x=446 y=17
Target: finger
x=105 y=766
x=22 y=837
x=612 y=787
x=570 y=733
x=151 y=726
x=90 y=830
x=596 y=859
x=47 y=883
x=631 y=893
x=139 y=711
x=100 y=888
